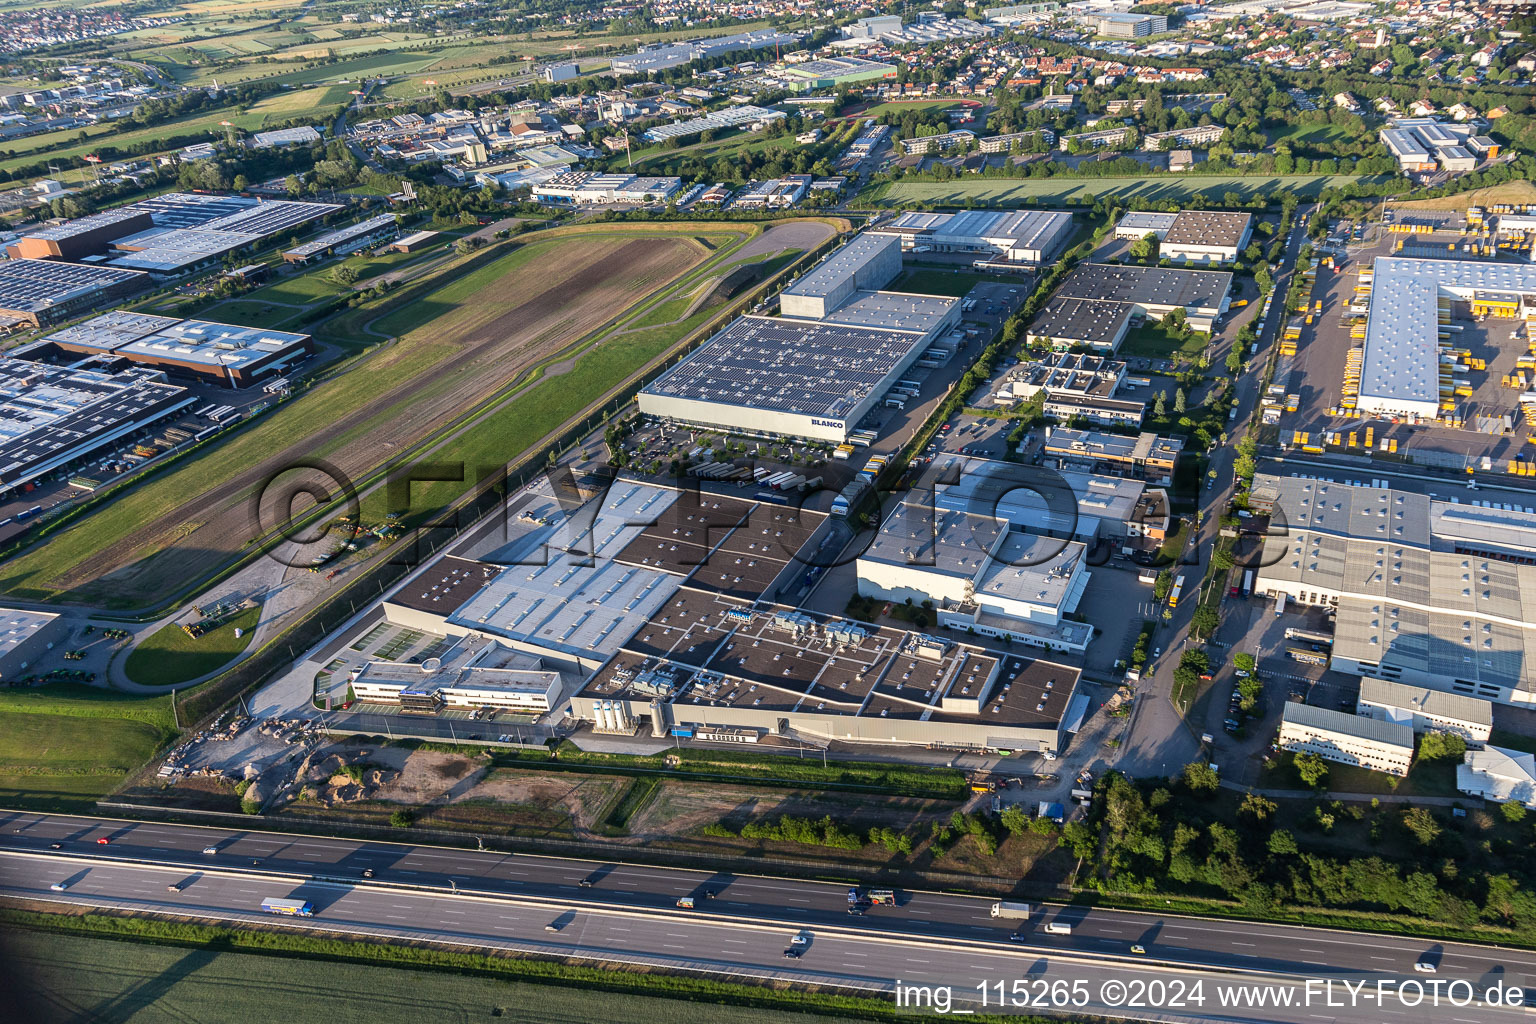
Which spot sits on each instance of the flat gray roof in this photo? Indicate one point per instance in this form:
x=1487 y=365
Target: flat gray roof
x=903 y=311
x=846 y=262
x=1090 y=321
x=1423 y=584
x=1426 y=701
x=1148 y=286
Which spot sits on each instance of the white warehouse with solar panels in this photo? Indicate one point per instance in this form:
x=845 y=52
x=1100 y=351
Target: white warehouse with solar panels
x=819 y=369
x=1002 y=237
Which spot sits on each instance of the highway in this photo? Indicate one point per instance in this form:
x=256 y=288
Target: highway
x=938 y=942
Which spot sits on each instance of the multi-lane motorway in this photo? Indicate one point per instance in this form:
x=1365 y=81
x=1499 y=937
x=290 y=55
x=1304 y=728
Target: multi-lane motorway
x=741 y=925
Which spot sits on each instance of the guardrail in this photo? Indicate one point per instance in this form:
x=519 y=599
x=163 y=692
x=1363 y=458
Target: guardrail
x=560 y=905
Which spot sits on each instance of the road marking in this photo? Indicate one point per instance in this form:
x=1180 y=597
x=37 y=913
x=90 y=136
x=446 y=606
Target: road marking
x=453 y=911
x=852 y=953
x=666 y=945
x=1242 y=944
x=796 y=899
x=914 y=960
x=1112 y=931
x=616 y=928
x=731 y=904
x=925 y=913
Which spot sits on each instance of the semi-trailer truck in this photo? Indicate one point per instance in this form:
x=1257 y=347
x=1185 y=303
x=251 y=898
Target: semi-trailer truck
x=1011 y=911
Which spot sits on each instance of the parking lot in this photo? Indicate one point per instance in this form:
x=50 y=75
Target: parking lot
x=1318 y=369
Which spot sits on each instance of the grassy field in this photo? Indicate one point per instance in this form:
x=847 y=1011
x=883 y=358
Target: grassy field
x=56 y=978
x=268 y=111
x=170 y=656
x=1514 y=192
x=942 y=282
x=1309 y=134
x=1014 y=192
x=1150 y=341
x=487 y=324
x=66 y=761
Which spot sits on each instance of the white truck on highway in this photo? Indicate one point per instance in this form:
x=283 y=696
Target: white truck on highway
x=1011 y=911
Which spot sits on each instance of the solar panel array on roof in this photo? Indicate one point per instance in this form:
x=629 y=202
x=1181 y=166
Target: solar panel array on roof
x=803 y=367
x=51 y=415
x=33 y=286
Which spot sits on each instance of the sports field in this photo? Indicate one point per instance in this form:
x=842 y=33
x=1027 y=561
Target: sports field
x=1017 y=191
x=463 y=335
x=59 y=978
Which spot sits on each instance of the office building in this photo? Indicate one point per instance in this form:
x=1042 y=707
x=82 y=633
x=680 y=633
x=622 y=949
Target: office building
x=1425 y=709
x=1146 y=456
x=1346 y=738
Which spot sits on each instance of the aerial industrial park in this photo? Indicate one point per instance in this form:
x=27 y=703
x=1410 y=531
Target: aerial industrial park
x=640 y=511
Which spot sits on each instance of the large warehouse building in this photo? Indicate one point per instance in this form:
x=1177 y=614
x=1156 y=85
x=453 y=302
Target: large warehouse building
x=1400 y=371
x=43 y=292
x=1002 y=236
x=1425 y=592
x=52 y=417
x=715 y=670
x=780 y=376
x=81 y=237
x=867 y=263
x=215 y=353
x=819 y=369
x=1195 y=236
x=670 y=55
x=170 y=234
x=1000 y=549
x=664 y=608
x=25 y=637
x=1153 y=292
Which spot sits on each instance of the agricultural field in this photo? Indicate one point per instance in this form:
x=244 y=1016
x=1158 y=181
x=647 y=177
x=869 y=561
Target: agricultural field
x=65 y=746
x=1018 y=191
x=465 y=334
x=285 y=106
x=55 y=978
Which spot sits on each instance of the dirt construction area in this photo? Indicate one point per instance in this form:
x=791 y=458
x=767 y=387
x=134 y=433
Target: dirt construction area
x=474 y=331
